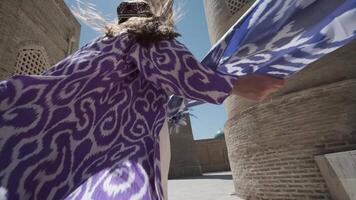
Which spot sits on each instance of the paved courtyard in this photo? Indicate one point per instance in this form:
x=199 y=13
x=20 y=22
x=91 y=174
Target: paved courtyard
x=211 y=186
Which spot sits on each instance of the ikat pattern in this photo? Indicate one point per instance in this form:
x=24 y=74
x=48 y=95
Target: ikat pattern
x=88 y=127
x=281 y=37
x=274 y=37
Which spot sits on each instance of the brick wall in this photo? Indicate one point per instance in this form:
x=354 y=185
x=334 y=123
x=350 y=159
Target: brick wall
x=212 y=155
x=272 y=145
x=184 y=160
x=48 y=24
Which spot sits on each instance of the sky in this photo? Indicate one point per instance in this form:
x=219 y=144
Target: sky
x=208 y=119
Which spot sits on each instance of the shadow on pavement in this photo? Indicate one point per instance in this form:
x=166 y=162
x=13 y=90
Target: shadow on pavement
x=212 y=176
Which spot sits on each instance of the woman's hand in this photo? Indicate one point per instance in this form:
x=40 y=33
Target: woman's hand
x=256 y=87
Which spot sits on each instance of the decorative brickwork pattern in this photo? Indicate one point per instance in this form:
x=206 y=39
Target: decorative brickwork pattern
x=236 y=5
x=31 y=61
x=27 y=23
x=272 y=145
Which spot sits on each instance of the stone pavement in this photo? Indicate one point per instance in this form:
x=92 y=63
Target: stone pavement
x=210 y=186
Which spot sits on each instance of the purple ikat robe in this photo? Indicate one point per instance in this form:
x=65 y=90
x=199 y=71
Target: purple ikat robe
x=88 y=127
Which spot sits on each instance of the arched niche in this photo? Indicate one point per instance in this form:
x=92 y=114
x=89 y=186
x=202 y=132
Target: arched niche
x=31 y=59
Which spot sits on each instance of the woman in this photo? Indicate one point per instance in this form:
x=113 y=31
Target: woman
x=88 y=128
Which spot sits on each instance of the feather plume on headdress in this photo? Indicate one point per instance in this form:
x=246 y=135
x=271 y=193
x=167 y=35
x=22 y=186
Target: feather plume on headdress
x=160 y=26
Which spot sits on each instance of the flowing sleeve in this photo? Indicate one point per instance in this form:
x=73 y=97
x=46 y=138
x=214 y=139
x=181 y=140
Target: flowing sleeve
x=170 y=65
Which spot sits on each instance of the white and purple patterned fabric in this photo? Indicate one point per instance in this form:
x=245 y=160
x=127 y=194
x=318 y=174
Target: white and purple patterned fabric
x=281 y=37
x=88 y=127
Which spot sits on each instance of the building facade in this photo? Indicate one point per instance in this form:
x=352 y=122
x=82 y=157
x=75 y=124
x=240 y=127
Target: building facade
x=273 y=145
x=191 y=157
x=35 y=34
x=184 y=156
x=212 y=155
